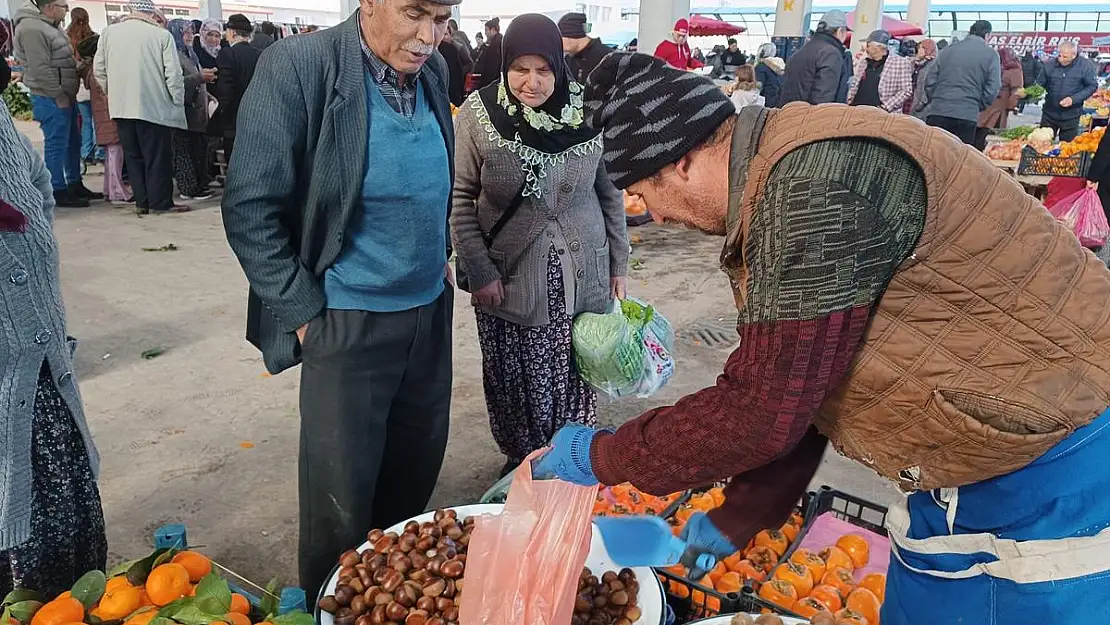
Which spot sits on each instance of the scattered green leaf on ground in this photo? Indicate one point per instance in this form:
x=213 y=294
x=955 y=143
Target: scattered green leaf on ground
x=153 y=352
x=636 y=264
x=169 y=247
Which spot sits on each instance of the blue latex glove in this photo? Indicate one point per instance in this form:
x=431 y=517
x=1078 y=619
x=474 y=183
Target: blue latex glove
x=702 y=536
x=569 y=458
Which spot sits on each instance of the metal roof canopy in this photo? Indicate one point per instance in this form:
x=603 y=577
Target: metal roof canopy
x=1017 y=7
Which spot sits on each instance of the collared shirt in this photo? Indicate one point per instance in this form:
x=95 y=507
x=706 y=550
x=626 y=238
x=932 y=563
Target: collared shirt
x=397 y=89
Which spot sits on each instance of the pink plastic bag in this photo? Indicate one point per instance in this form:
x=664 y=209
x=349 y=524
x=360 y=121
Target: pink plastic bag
x=1082 y=213
x=522 y=566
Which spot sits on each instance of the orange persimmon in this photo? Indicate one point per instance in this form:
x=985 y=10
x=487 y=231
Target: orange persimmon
x=796 y=575
x=850 y=617
x=841 y=579
x=828 y=595
x=808 y=607
x=857 y=548
x=811 y=561
x=773 y=539
x=729 y=582
x=835 y=556
x=790 y=531
x=876 y=583
x=863 y=601
x=703 y=604
x=762 y=557
x=749 y=571
x=779 y=592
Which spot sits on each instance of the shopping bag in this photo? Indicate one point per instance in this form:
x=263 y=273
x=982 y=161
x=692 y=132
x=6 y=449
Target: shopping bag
x=1082 y=213
x=625 y=352
x=522 y=566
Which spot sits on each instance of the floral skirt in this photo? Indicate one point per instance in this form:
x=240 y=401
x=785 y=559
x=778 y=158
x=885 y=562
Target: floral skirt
x=531 y=382
x=67 y=522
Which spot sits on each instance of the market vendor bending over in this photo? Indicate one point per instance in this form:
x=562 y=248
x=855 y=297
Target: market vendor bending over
x=900 y=296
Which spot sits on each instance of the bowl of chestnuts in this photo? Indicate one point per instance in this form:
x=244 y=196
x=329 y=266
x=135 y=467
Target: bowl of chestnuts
x=414 y=573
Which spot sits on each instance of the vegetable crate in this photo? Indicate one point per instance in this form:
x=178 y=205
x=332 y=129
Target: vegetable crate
x=691 y=601
x=1034 y=163
x=855 y=510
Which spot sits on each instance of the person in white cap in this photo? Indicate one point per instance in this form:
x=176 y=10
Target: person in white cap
x=138 y=66
x=819 y=72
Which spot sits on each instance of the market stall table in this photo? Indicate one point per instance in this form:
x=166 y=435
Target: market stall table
x=1037 y=186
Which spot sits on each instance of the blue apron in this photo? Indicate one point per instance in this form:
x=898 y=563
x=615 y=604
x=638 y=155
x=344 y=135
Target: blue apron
x=1031 y=547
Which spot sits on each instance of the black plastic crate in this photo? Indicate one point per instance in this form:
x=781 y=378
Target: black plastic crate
x=699 y=602
x=855 y=510
x=1033 y=163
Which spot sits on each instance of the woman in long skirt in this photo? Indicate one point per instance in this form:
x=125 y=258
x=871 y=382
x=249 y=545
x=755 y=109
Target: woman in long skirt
x=540 y=234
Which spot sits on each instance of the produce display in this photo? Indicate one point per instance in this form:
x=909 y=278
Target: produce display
x=1017 y=132
x=610 y=600
x=1040 y=139
x=1086 y=142
x=626 y=499
x=415 y=577
x=1034 y=93
x=813 y=584
x=1100 y=102
x=750 y=567
x=168 y=587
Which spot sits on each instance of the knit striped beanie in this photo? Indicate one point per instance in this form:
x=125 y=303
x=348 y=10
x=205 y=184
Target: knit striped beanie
x=142 y=6
x=651 y=114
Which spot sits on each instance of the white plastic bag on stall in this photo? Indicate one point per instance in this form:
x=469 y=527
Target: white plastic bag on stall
x=626 y=352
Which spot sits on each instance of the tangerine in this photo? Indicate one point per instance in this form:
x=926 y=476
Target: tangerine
x=117 y=582
x=828 y=595
x=773 y=539
x=808 y=607
x=59 y=611
x=198 y=565
x=144 y=599
x=796 y=575
x=142 y=618
x=835 y=556
x=236 y=618
x=864 y=602
x=876 y=583
x=119 y=602
x=841 y=579
x=857 y=548
x=167 y=583
x=779 y=592
x=239 y=604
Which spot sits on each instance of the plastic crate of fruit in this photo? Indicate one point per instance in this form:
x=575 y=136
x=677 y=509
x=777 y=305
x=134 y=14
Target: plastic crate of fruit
x=844 y=546
x=1034 y=163
x=622 y=499
x=740 y=582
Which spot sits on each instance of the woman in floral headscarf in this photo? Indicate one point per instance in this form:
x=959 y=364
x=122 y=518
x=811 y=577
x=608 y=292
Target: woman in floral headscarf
x=540 y=234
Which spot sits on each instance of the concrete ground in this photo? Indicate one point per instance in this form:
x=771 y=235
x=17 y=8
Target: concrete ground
x=203 y=436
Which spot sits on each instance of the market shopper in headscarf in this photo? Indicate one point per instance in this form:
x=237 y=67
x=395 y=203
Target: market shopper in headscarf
x=190 y=145
x=768 y=73
x=1012 y=91
x=923 y=64
x=563 y=251
x=208 y=43
x=51 y=522
x=901 y=296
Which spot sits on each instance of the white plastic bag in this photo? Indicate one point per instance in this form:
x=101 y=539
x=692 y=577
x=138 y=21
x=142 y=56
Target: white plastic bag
x=626 y=352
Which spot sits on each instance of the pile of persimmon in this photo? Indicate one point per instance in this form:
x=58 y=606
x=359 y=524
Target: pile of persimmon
x=626 y=499
x=698 y=502
x=824 y=583
x=749 y=567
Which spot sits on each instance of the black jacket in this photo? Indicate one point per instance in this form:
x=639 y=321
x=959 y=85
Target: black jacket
x=818 y=73
x=236 y=70
x=456 y=74
x=262 y=41
x=488 y=66
x=584 y=62
x=770 y=83
x=1031 y=67
x=1076 y=81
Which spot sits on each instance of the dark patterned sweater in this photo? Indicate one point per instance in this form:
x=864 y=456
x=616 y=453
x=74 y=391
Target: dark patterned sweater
x=836 y=220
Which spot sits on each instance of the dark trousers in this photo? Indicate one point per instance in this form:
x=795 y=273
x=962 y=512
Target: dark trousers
x=229 y=146
x=375 y=400
x=962 y=128
x=981 y=135
x=1066 y=130
x=148 y=152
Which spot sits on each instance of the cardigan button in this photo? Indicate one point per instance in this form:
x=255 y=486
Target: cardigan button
x=19 y=276
x=43 y=336
x=575 y=246
x=581 y=274
x=65 y=377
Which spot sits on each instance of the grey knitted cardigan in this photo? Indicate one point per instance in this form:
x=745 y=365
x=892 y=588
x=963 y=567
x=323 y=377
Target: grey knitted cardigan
x=32 y=327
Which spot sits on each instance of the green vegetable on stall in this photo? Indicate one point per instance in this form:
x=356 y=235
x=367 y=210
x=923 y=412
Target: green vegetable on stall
x=1018 y=132
x=1034 y=93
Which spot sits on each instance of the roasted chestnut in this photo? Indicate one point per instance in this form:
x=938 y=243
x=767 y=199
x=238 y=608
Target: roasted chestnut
x=373 y=535
x=452 y=569
x=344 y=616
x=434 y=588
x=417 y=617
x=451 y=615
x=358 y=605
x=392 y=580
x=329 y=604
x=344 y=594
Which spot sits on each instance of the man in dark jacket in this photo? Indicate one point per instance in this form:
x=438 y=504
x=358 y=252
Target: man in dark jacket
x=1068 y=81
x=236 y=63
x=819 y=72
x=339 y=219
x=1031 y=67
x=457 y=69
x=964 y=83
x=583 y=52
x=488 y=65
x=265 y=37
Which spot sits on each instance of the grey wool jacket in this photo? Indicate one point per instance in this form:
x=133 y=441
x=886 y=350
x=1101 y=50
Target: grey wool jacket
x=49 y=67
x=32 y=327
x=295 y=180
x=577 y=210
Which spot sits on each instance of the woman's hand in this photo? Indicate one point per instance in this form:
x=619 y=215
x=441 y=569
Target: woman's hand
x=617 y=287
x=1092 y=185
x=490 y=295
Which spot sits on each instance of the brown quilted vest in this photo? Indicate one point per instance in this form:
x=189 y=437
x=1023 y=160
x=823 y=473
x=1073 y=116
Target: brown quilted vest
x=991 y=344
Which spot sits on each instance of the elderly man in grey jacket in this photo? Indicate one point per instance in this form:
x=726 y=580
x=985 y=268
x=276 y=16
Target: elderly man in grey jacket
x=1068 y=81
x=337 y=205
x=964 y=82
x=50 y=72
